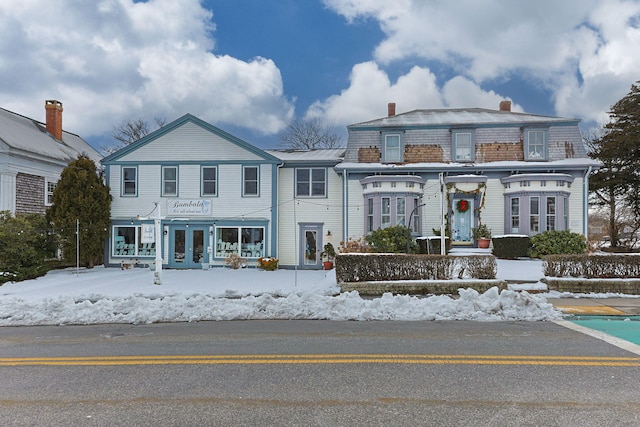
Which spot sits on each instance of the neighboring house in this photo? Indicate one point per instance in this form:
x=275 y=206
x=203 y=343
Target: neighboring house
x=32 y=157
x=517 y=173
x=216 y=194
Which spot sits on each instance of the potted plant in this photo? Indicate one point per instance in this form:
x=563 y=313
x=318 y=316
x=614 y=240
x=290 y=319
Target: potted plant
x=328 y=255
x=482 y=235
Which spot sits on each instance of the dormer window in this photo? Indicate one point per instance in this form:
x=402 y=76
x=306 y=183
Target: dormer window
x=536 y=145
x=463 y=146
x=392 y=150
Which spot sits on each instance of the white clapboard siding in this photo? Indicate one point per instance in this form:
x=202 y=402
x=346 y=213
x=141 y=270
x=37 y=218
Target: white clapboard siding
x=326 y=210
x=493 y=213
x=356 y=210
x=576 y=206
x=189 y=142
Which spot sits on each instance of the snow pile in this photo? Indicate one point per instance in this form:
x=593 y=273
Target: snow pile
x=113 y=296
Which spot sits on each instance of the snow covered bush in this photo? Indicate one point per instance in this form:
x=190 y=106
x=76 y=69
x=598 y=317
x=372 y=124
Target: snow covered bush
x=268 y=263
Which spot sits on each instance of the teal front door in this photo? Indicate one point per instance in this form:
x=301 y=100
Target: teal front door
x=463 y=222
x=187 y=247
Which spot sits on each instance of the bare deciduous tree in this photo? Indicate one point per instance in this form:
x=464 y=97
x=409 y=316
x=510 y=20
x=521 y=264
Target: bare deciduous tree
x=310 y=134
x=129 y=131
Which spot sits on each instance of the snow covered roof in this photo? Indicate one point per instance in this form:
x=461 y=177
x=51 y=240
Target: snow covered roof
x=333 y=155
x=21 y=133
x=565 y=164
x=459 y=117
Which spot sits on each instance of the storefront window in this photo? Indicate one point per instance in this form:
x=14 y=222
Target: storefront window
x=248 y=242
x=252 y=242
x=129 y=241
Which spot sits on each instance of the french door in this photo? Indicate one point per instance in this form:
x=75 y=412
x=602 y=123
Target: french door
x=187 y=247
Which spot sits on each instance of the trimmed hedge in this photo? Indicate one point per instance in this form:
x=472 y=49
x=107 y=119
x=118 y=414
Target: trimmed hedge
x=393 y=267
x=511 y=247
x=592 y=266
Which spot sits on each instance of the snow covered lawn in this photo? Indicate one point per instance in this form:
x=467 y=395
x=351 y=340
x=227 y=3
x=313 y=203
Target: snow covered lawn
x=111 y=295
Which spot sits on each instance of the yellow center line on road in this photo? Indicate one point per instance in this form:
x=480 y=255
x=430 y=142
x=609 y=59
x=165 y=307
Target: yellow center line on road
x=287 y=359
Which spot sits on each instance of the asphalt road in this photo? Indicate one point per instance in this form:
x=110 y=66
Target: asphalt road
x=315 y=373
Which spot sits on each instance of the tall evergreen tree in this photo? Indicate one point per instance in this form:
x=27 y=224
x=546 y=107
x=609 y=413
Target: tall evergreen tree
x=618 y=181
x=81 y=196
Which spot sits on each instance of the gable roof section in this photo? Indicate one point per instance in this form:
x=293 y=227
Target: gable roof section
x=189 y=118
x=459 y=117
x=29 y=138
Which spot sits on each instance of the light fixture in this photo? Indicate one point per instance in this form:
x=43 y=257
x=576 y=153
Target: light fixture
x=329 y=233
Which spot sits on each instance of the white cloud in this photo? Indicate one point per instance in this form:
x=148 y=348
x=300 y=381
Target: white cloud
x=116 y=59
x=371 y=90
x=583 y=51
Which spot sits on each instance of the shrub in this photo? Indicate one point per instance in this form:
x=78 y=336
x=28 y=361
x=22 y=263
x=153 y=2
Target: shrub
x=592 y=266
x=352 y=245
x=268 y=263
x=391 y=240
x=511 y=247
x=235 y=261
x=390 y=267
x=478 y=267
x=557 y=242
x=25 y=243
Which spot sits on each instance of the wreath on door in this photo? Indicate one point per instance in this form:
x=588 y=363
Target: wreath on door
x=462 y=205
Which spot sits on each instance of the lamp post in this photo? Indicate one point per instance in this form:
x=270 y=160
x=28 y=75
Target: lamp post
x=409 y=225
x=443 y=224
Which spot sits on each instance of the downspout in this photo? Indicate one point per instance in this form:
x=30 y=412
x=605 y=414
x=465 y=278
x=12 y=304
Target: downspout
x=585 y=203
x=275 y=195
x=345 y=204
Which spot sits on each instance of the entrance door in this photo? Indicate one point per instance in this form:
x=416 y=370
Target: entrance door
x=187 y=247
x=462 y=222
x=310 y=246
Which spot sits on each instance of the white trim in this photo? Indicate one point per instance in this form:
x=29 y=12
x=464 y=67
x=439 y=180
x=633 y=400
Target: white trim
x=618 y=342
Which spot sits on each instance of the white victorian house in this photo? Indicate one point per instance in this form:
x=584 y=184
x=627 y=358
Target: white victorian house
x=517 y=173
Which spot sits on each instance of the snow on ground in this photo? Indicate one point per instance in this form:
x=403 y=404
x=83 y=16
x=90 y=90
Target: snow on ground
x=111 y=295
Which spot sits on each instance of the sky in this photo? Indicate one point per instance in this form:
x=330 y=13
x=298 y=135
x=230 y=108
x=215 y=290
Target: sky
x=250 y=67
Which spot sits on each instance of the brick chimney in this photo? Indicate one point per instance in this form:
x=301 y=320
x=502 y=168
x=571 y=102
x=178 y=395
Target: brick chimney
x=391 y=109
x=505 y=105
x=53 y=109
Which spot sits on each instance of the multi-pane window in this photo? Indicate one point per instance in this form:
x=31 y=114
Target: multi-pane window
x=311 y=182
x=369 y=215
x=209 y=180
x=463 y=147
x=247 y=242
x=392 y=210
x=128 y=241
x=169 y=180
x=536 y=145
x=515 y=215
x=400 y=211
x=551 y=213
x=534 y=215
x=250 y=181
x=392 y=148
x=416 y=215
x=385 y=212
x=129 y=181
x=51 y=186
